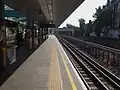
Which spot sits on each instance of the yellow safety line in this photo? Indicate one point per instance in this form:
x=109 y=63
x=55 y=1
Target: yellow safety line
x=68 y=72
x=55 y=81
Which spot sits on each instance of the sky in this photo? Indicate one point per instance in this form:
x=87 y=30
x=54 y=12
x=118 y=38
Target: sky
x=85 y=10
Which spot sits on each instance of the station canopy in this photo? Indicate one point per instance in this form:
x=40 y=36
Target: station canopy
x=44 y=11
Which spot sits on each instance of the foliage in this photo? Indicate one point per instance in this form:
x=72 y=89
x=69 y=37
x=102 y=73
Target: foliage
x=98 y=12
x=82 y=26
x=88 y=28
x=102 y=19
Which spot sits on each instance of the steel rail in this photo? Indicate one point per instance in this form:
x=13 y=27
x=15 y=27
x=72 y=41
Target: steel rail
x=115 y=82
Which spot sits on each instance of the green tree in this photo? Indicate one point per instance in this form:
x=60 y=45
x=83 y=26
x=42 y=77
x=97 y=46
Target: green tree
x=88 y=28
x=82 y=26
x=98 y=12
x=102 y=19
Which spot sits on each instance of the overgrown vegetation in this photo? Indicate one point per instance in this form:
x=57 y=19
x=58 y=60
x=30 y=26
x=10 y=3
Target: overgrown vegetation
x=102 y=20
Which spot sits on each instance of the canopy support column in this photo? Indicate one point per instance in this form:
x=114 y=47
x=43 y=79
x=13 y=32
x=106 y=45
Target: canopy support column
x=3 y=46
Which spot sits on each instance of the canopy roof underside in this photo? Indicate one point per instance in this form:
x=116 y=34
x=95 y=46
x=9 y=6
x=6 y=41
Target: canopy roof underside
x=45 y=10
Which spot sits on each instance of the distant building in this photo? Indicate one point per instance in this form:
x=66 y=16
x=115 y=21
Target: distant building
x=65 y=31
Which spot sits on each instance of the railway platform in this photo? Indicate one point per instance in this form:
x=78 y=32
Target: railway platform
x=48 y=68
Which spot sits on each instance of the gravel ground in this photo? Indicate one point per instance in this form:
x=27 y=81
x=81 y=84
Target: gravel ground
x=114 y=70
x=115 y=43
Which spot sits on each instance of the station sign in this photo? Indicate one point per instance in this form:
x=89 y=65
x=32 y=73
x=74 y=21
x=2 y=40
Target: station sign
x=8 y=23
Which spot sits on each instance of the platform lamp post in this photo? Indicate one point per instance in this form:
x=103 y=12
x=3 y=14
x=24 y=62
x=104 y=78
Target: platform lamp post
x=27 y=39
x=38 y=33
x=30 y=24
x=41 y=33
x=33 y=33
x=30 y=30
x=42 y=29
x=46 y=33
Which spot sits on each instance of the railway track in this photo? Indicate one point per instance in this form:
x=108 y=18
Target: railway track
x=106 y=56
x=94 y=76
